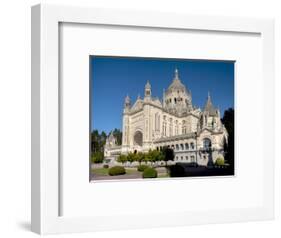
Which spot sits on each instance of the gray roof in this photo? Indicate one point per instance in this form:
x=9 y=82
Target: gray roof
x=212 y=111
x=176 y=84
x=177 y=137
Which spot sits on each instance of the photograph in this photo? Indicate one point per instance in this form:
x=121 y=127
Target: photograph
x=155 y=118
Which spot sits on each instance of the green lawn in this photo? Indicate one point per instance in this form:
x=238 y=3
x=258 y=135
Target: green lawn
x=104 y=172
x=100 y=171
x=131 y=171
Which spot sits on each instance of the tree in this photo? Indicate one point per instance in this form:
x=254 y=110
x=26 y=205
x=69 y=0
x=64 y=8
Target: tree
x=122 y=159
x=118 y=135
x=156 y=156
x=95 y=141
x=147 y=157
x=131 y=157
x=168 y=154
x=140 y=157
x=228 y=121
x=97 y=157
x=98 y=141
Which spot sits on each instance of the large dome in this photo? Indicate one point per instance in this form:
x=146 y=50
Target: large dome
x=177 y=98
x=176 y=85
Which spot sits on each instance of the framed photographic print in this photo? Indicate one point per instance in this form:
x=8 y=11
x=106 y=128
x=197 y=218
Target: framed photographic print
x=145 y=119
x=161 y=134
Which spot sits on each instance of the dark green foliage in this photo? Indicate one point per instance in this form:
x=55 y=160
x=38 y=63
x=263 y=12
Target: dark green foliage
x=118 y=135
x=149 y=173
x=131 y=157
x=177 y=170
x=122 y=159
x=116 y=170
x=140 y=157
x=98 y=141
x=142 y=167
x=105 y=166
x=228 y=121
x=168 y=154
x=97 y=157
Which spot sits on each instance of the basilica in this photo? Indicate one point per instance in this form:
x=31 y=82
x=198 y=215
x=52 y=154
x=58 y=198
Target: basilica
x=196 y=135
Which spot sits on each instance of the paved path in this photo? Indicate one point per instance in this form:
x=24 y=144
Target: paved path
x=136 y=175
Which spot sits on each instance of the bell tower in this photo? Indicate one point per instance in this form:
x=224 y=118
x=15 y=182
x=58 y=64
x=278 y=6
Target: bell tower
x=147 y=90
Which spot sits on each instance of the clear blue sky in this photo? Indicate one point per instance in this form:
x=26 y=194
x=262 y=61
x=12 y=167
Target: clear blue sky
x=112 y=78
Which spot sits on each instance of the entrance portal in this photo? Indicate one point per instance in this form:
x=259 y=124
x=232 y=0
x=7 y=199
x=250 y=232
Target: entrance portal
x=138 y=138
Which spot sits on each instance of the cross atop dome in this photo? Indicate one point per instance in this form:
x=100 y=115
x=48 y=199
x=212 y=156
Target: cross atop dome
x=176 y=73
x=176 y=84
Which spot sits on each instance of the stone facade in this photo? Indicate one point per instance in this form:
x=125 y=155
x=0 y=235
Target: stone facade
x=195 y=135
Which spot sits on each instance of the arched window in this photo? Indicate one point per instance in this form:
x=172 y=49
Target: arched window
x=207 y=144
x=176 y=128
x=138 y=138
x=181 y=146
x=183 y=127
x=156 y=122
x=186 y=146
x=192 y=145
x=171 y=127
x=177 y=147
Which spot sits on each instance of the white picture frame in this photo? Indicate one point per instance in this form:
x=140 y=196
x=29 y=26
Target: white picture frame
x=46 y=164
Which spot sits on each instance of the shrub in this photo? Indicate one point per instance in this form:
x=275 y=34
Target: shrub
x=105 y=166
x=219 y=161
x=149 y=173
x=177 y=170
x=116 y=170
x=142 y=167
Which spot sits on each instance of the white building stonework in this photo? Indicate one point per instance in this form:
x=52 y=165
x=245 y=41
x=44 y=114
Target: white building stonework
x=195 y=135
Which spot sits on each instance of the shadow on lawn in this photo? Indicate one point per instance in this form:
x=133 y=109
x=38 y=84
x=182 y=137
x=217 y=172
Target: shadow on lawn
x=191 y=170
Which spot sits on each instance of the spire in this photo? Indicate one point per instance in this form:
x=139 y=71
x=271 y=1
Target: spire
x=209 y=106
x=176 y=73
x=147 y=85
x=127 y=101
x=147 y=91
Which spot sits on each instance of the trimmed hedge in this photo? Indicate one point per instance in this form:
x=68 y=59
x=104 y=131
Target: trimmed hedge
x=105 y=166
x=149 y=173
x=142 y=167
x=116 y=170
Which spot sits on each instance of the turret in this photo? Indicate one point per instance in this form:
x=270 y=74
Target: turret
x=127 y=104
x=147 y=91
x=211 y=115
